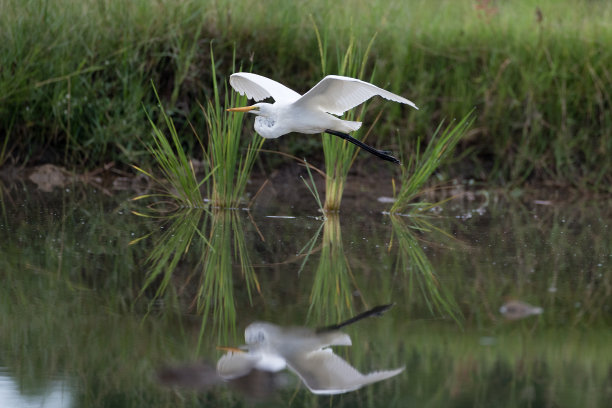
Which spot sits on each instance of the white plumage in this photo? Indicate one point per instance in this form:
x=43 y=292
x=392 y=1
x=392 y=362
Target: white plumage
x=303 y=351
x=312 y=112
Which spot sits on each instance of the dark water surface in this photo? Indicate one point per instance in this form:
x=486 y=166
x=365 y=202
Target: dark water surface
x=100 y=307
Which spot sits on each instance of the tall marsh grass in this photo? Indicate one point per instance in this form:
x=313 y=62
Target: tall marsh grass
x=178 y=181
x=420 y=166
x=225 y=152
x=73 y=74
x=340 y=154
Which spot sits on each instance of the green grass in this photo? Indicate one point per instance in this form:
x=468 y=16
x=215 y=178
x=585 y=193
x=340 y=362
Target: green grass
x=419 y=166
x=232 y=166
x=340 y=154
x=178 y=182
x=73 y=76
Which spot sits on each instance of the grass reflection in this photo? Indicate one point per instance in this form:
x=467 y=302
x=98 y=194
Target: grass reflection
x=331 y=298
x=216 y=297
x=412 y=262
x=214 y=243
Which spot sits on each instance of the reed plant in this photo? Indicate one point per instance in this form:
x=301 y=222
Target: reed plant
x=178 y=181
x=538 y=71
x=340 y=154
x=419 y=166
x=225 y=150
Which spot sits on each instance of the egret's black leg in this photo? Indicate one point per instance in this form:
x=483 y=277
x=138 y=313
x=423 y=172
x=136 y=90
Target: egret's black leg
x=383 y=154
x=375 y=311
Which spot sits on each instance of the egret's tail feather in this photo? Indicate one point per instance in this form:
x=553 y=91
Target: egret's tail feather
x=380 y=375
x=351 y=126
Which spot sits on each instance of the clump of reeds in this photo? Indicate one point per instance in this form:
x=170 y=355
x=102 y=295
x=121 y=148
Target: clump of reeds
x=178 y=177
x=340 y=154
x=232 y=163
x=419 y=167
x=227 y=161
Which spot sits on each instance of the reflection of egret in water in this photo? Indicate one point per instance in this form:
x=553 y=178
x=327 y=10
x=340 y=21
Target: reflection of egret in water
x=515 y=309
x=332 y=289
x=257 y=384
x=186 y=237
x=304 y=351
x=412 y=261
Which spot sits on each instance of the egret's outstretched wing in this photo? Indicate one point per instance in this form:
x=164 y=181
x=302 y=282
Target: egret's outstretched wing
x=337 y=94
x=235 y=365
x=323 y=372
x=258 y=87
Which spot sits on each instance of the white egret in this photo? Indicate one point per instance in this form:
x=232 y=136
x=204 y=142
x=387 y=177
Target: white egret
x=304 y=351
x=312 y=112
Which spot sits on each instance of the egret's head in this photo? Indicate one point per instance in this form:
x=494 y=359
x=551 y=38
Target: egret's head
x=259 y=109
x=255 y=334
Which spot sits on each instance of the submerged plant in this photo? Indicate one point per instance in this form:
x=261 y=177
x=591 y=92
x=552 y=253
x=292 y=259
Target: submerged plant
x=419 y=167
x=225 y=149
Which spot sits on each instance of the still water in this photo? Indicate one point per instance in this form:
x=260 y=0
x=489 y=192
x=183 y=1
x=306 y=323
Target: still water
x=101 y=307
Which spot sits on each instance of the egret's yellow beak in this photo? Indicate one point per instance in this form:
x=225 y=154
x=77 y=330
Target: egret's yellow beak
x=234 y=349
x=243 y=109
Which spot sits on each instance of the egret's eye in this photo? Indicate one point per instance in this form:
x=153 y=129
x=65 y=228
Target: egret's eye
x=255 y=336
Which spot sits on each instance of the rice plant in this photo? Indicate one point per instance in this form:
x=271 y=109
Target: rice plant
x=340 y=154
x=179 y=181
x=226 y=153
x=419 y=167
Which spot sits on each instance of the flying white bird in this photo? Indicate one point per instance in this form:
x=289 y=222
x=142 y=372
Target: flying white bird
x=312 y=112
x=304 y=351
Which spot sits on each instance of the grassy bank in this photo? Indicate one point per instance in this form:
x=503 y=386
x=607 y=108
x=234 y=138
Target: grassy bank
x=74 y=75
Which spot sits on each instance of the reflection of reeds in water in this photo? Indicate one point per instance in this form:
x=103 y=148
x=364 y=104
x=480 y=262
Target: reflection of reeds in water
x=216 y=291
x=413 y=263
x=331 y=299
x=216 y=241
x=174 y=244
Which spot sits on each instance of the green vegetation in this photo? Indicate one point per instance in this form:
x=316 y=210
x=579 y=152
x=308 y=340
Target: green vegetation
x=231 y=166
x=179 y=181
x=72 y=306
x=419 y=167
x=340 y=154
x=74 y=76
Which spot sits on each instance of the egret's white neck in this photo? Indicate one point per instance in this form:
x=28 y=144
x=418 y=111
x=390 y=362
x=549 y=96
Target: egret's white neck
x=266 y=122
